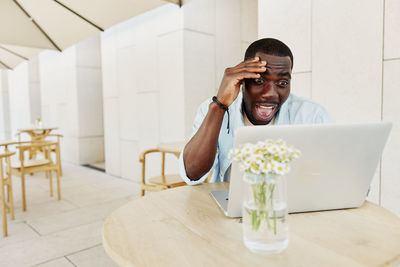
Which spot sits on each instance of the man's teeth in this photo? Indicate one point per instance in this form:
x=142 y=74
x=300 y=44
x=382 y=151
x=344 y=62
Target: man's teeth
x=267 y=107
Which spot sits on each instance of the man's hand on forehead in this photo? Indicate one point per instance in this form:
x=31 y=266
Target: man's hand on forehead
x=233 y=78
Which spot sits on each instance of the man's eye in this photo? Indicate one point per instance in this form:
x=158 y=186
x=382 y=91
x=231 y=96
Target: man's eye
x=283 y=83
x=259 y=81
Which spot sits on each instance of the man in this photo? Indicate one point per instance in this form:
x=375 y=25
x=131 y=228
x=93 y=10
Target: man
x=265 y=99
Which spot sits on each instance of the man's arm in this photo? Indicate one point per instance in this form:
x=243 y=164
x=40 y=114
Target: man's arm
x=199 y=153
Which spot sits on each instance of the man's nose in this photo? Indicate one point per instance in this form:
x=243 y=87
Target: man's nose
x=270 y=91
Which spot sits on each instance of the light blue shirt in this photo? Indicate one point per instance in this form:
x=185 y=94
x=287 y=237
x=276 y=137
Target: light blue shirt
x=295 y=110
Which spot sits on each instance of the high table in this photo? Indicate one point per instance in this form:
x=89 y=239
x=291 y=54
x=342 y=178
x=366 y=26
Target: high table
x=185 y=227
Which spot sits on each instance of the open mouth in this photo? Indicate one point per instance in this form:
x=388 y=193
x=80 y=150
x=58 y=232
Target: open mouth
x=266 y=111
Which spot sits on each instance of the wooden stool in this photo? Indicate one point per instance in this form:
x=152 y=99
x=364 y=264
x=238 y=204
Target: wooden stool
x=7 y=203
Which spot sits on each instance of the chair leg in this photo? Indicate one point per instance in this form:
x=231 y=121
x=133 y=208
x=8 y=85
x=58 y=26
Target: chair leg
x=4 y=214
x=23 y=192
x=58 y=158
x=51 y=182
x=61 y=172
x=58 y=185
x=3 y=204
x=10 y=198
x=142 y=193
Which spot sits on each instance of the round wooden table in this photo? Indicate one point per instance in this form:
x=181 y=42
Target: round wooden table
x=185 y=227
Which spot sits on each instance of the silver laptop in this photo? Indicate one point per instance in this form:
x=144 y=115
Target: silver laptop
x=334 y=171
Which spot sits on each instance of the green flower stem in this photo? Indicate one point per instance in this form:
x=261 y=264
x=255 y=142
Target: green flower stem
x=260 y=201
x=267 y=219
x=272 y=205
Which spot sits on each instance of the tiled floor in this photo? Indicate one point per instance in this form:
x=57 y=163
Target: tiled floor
x=66 y=232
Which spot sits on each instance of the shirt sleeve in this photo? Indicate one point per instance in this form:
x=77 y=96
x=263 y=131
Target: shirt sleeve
x=201 y=113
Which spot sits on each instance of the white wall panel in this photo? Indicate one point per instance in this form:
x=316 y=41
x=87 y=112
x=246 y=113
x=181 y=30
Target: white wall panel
x=142 y=58
x=301 y=84
x=130 y=167
x=127 y=94
x=391 y=157
x=148 y=121
x=165 y=19
x=392 y=29
x=244 y=46
x=143 y=68
x=204 y=23
x=199 y=77
x=91 y=149
x=5 y=130
x=34 y=98
x=57 y=76
x=71 y=96
x=171 y=86
x=88 y=52
x=249 y=20
x=227 y=37
x=109 y=63
x=111 y=136
x=347 y=58
x=34 y=88
x=290 y=22
x=90 y=101
x=19 y=98
x=70 y=149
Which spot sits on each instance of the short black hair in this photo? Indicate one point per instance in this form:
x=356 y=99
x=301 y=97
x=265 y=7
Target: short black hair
x=269 y=46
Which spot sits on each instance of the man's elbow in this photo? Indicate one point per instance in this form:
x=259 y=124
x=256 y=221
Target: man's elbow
x=191 y=173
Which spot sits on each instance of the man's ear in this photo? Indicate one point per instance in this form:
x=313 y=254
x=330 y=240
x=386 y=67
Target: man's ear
x=242 y=85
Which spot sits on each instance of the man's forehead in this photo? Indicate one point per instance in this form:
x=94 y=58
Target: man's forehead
x=276 y=62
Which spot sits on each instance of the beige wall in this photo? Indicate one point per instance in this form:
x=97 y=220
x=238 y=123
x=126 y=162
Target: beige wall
x=71 y=99
x=142 y=63
x=5 y=127
x=346 y=58
x=158 y=68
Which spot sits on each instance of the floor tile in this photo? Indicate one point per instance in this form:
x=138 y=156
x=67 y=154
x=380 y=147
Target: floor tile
x=92 y=257
x=17 y=232
x=51 y=229
x=44 y=248
x=60 y=262
x=61 y=221
x=40 y=210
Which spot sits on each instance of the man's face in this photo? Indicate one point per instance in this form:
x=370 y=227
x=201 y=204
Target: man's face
x=264 y=96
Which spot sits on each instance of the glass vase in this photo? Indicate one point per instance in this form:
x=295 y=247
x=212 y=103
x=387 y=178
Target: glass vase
x=265 y=214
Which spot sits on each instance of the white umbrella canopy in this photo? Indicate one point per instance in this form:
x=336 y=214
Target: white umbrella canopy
x=11 y=55
x=58 y=24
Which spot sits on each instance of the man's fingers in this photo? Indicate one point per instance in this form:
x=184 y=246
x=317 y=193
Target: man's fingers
x=254 y=60
x=246 y=64
x=246 y=75
x=249 y=69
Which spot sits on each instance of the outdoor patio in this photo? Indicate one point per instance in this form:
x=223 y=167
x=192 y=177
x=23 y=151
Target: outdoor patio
x=65 y=232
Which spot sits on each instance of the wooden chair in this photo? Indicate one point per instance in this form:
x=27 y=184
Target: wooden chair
x=164 y=181
x=7 y=203
x=33 y=152
x=57 y=151
x=23 y=166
